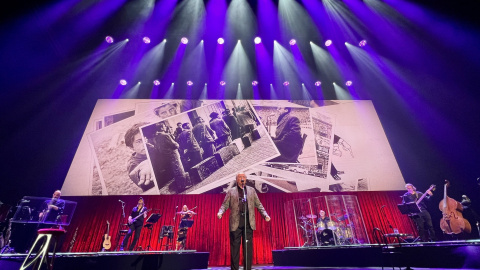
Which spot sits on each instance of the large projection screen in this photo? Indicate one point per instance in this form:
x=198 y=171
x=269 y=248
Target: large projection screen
x=135 y=146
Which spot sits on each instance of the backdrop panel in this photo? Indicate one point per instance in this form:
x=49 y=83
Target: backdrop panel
x=133 y=146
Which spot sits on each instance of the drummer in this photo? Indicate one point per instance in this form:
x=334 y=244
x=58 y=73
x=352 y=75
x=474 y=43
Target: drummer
x=322 y=217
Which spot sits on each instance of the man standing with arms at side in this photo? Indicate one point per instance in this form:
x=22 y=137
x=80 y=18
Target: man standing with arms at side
x=242 y=200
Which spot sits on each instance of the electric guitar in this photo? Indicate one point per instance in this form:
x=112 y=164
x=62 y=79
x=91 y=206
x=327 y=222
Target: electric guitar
x=106 y=241
x=141 y=213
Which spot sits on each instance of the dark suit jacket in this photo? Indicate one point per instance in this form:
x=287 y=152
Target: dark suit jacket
x=288 y=137
x=231 y=201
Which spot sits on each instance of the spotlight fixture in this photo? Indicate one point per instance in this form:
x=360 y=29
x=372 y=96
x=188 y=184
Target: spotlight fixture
x=220 y=41
x=164 y=40
x=292 y=42
x=222 y=83
x=109 y=39
x=184 y=40
x=123 y=82
x=257 y=40
x=239 y=41
x=156 y=82
x=127 y=40
x=318 y=83
x=254 y=83
x=328 y=43
x=362 y=43
x=286 y=83
x=146 y=40
x=189 y=83
x=348 y=83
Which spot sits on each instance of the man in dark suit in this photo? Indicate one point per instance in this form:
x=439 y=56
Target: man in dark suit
x=288 y=136
x=237 y=199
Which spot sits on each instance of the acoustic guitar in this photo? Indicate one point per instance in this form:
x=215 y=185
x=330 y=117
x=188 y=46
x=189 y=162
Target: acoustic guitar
x=106 y=239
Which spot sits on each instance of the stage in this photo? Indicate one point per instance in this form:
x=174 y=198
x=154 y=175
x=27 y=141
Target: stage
x=449 y=254
x=168 y=260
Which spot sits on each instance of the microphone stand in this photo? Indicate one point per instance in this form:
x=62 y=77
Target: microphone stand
x=174 y=226
x=388 y=222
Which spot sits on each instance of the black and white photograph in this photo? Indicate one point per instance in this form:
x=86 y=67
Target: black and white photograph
x=198 y=150
x=291 y=130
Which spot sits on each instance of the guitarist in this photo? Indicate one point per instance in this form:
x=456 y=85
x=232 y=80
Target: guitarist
x=135 y=223
x=422 y=220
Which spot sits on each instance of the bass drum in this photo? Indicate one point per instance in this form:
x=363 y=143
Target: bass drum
x=326 y=238
x=321 y=226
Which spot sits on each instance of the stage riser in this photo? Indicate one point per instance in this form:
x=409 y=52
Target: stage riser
x=123 y=262
x=467 y=256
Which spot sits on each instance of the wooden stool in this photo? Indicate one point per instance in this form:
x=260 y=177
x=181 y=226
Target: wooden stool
x=44 y=239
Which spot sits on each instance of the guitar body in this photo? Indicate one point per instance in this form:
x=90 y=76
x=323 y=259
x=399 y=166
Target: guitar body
x=107 y=244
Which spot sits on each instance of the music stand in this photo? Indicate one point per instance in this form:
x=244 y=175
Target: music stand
x=151 y=220
x=410 y=208
x=186 y=223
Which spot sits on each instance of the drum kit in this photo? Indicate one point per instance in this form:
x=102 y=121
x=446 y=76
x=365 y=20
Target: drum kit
x=328 y=233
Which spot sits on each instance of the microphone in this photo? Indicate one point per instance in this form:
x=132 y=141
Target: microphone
x=176 y=207
x=244 y=196
x=121 y=201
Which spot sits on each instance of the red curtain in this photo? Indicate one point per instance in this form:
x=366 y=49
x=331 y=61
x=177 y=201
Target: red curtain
x=209 y=234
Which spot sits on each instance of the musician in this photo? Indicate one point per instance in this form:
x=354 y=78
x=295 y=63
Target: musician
x=422 y=220
x=135 y=222
x=322 y=217
x=185 y=214
x=52 y=208
x=236 y=199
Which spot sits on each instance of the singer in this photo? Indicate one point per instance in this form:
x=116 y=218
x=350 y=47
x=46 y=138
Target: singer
x=236 y=199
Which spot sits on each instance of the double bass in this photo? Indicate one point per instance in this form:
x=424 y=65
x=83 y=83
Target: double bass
x=452 y=221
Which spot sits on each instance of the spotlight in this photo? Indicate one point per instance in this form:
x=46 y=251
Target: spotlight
x=318 y=83
x=362 y=43
x=257 y=40
x=201 y=41
x=127 y=39
x=348 y=83
x=254 y=83
x=222 y=83
x=292 y=42
x=156 y=82
x=328 y=43
x=123 y=82
x=286 y=83
x=146 y=40
x=184 y=40
x=220 y=40
x=189 y=83
x=109 y=39
x=139 y=83
x=239 y=41
x=164 y=40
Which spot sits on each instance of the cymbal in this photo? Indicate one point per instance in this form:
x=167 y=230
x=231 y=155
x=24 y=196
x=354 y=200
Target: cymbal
x=302 y=218
x=311 y=216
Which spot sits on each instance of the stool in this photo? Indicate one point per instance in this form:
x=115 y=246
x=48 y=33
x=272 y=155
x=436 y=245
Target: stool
x=122 y=231
x=44 y=239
